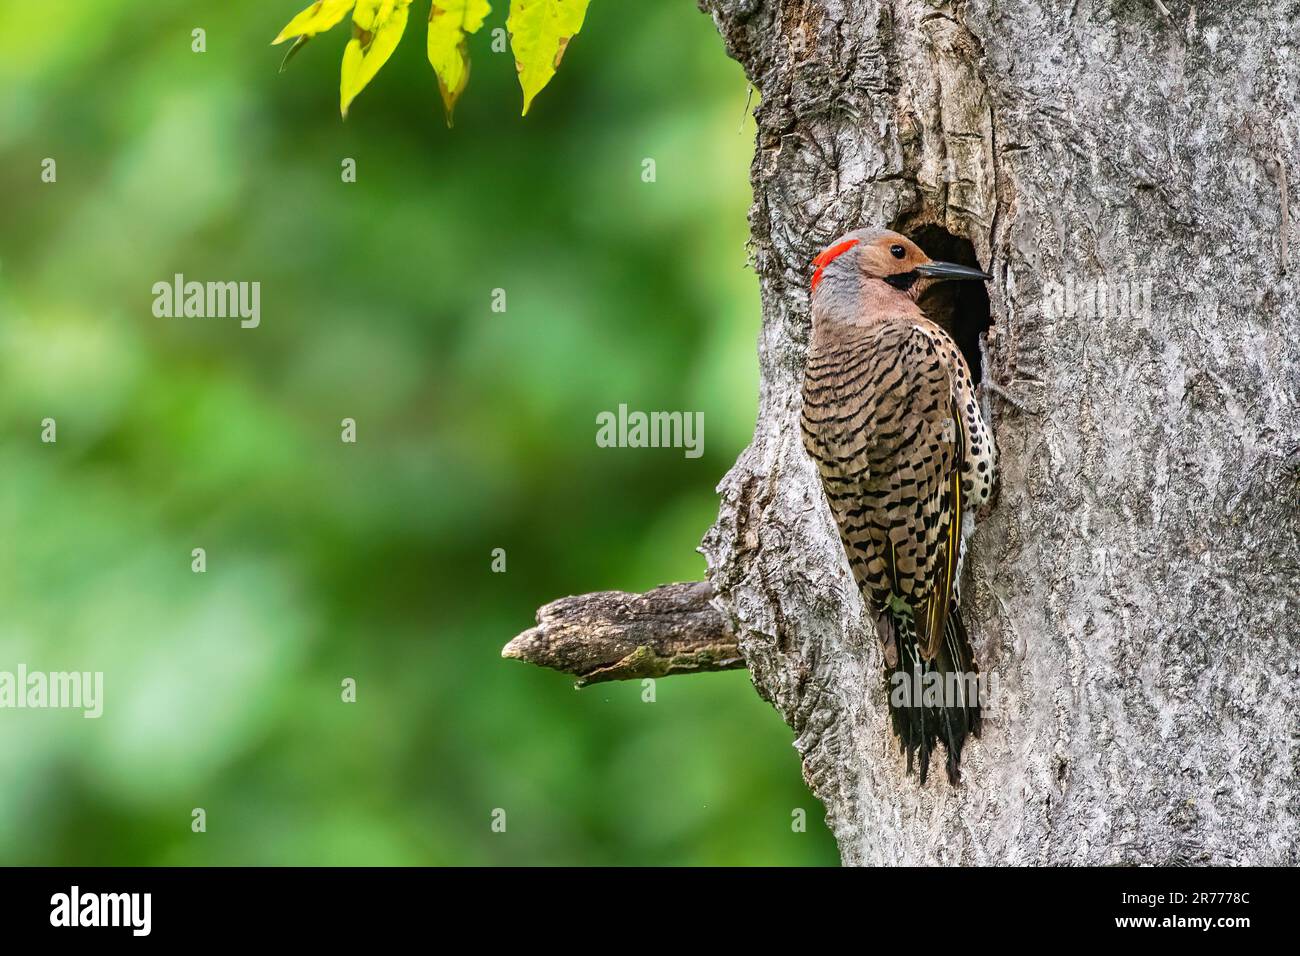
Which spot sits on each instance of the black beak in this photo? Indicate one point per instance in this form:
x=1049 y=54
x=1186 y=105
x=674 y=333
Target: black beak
x=950 y=270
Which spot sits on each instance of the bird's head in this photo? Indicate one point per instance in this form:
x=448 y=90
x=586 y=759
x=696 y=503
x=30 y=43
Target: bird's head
x=884 y=256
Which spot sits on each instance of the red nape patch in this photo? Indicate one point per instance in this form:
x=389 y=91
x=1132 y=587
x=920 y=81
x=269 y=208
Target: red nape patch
x=825 y=259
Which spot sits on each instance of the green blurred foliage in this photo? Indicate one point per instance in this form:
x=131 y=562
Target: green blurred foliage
x=476 y=431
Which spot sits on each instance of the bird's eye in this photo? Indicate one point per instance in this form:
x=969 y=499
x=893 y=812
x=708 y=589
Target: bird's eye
x=898 y=251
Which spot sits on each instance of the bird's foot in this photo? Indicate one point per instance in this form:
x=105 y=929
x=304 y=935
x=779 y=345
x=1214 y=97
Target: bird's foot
x=1009 y=394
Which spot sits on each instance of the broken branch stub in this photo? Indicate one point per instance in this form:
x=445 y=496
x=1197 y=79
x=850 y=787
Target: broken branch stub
x=614 y=635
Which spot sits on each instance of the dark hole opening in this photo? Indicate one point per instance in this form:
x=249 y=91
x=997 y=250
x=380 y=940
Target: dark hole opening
x=961 y=307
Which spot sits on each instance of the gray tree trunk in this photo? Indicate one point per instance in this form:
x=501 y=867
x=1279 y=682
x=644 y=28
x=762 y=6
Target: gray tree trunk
x=1133 y=587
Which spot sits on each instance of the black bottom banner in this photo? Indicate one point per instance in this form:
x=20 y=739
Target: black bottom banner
x=367 y=905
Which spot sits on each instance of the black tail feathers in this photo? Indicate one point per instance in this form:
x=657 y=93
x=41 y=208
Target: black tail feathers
x=925 y=708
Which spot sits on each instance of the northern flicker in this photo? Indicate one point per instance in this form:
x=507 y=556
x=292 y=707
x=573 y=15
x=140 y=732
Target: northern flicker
x=890 y=418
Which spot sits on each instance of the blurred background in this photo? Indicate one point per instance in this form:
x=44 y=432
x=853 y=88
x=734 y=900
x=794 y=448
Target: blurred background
x=476 y=430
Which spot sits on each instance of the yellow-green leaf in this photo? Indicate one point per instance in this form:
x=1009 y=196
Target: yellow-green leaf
x=450 y=22
x=377 y=26
x=539 y=32
x=319 y=17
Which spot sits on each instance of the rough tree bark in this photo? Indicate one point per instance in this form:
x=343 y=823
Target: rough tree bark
x=1133 y=587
